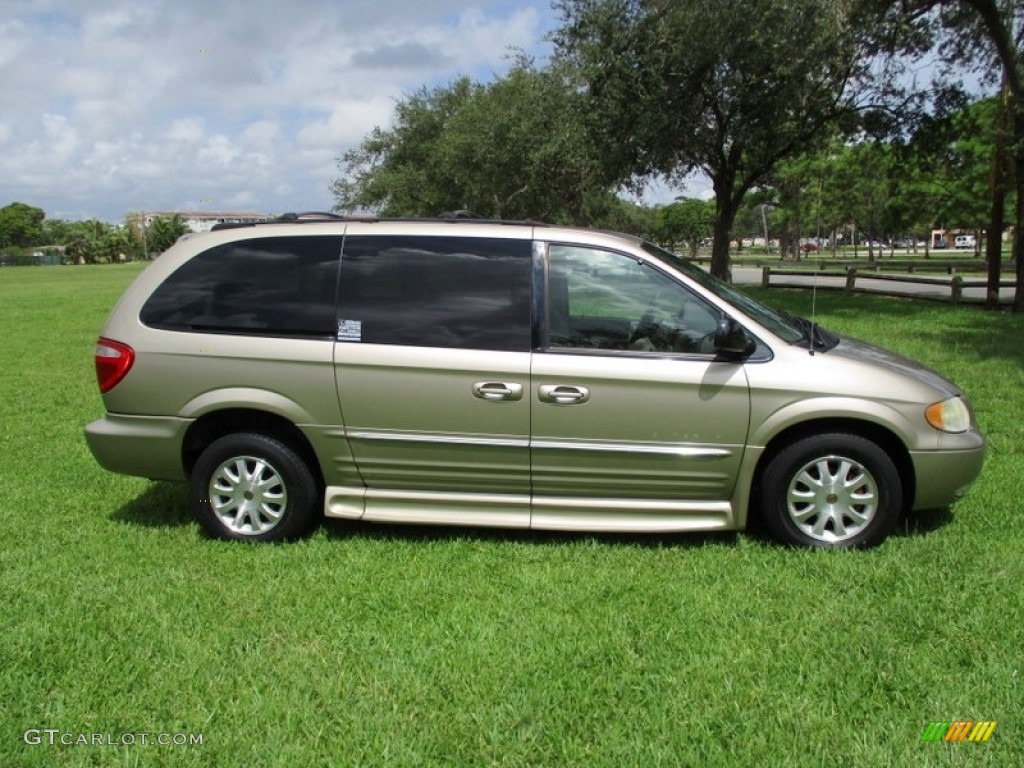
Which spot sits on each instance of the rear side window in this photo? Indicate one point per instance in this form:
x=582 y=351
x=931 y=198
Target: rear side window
x=275 y=286
x=454 y=292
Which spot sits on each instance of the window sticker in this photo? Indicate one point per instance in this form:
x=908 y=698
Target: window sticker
x=350 y=330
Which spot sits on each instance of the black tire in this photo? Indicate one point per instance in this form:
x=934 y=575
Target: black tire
x=250 y=487
x=834 y=491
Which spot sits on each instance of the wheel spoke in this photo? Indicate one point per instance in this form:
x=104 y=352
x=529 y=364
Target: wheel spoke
x=258 y=468
x=239 y=517
x=819 y=526
x=853 y=480
x=803 y=514
x=271 y=513
x=858 y=517
x=843 y=472
x=808 y=480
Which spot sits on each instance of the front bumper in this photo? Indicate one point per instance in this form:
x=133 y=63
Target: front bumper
x=944 y=476
x=147 y=446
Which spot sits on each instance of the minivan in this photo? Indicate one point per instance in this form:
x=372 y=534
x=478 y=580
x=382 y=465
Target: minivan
x=512 y=374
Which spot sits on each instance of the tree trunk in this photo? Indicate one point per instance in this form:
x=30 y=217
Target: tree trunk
x=1018 y=237
x=997 y=214
x=726 y=205
x=725 y=214
x=994 y=245
x=1018 y=225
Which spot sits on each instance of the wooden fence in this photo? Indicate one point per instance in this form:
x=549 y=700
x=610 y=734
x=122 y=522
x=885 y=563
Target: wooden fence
x=955 y=284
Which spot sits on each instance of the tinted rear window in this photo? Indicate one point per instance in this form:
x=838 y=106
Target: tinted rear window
x=275 y=286
x=455 y=292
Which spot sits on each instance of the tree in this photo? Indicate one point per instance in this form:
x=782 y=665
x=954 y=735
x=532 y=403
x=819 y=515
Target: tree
x=116 y=244
x=985 y=36
x=163 y=232
x=55 y=232
x=82 y=244
x=810 y=194
x=21 y=225
x=939 y=175
x=687 y=220
x=513 y=148
x=398 y=171
x=729 y=88
x=954 y=154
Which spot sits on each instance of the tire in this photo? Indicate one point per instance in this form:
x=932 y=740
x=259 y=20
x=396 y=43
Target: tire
x=833 y=491
x=250 y=487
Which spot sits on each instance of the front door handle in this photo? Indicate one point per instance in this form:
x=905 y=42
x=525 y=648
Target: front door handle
x=497 y=390
x=562 y=394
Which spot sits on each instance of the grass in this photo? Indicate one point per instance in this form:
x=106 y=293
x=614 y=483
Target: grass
x=389 y=646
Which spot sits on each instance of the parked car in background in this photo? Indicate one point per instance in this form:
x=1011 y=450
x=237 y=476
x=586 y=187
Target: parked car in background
x=507 y=374
x=964 y=241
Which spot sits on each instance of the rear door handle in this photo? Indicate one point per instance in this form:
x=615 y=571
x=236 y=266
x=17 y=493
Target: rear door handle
x=562 y=394
x=497 y=390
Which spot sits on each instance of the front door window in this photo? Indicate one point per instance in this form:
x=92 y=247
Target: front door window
x=599 y=300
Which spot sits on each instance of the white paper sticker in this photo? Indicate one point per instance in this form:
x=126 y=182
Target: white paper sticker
x=350 y=330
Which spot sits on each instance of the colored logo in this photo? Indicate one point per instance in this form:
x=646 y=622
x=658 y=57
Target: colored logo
x=959 y=730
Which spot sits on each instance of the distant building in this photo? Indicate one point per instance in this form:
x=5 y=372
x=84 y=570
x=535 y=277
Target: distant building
x=203 y=221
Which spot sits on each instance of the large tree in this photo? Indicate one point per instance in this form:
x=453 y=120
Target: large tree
x=986 y=36
x=513 y=148
x=728 y=88
x=21 y=225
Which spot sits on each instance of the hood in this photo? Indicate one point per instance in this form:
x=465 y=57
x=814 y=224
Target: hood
x=854 y=349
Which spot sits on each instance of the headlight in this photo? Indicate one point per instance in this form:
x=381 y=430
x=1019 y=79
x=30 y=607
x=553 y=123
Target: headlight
x=949 y=415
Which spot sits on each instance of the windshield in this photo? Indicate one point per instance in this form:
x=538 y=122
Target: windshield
x=778 y=323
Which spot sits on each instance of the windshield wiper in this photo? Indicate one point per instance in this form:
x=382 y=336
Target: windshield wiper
x=815 y=336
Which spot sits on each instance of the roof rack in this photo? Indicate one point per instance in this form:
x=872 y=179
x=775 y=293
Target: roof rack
x=450 y=217
x=460 y=214
x=310 y=215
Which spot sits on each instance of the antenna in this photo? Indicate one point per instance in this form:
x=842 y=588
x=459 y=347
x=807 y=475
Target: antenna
x=814 y=310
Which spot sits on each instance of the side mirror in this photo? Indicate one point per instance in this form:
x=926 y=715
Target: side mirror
x=731 y=340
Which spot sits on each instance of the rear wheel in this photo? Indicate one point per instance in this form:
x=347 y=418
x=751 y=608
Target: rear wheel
x=252 y=487
x=833 y=490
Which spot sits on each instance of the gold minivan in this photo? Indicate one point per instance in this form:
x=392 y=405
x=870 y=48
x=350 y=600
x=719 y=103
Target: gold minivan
x=508 y=374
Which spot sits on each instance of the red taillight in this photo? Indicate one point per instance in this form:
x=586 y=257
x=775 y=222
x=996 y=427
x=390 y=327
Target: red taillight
x=113 y=361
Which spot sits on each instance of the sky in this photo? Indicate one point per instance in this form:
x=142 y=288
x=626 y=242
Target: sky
x=108 y=106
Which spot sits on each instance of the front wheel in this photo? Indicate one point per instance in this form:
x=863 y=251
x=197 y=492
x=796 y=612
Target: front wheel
x=252 y=487
x=833 y=490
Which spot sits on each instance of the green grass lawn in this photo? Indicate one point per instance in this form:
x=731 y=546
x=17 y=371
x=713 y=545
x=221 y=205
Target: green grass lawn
x=389 y=646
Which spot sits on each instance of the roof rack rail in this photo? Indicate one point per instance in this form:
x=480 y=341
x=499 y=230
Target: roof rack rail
x=459 y=214
x=309 y=215
x=450 y=217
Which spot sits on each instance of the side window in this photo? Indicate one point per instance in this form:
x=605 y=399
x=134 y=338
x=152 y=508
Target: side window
x=455 y=292
x=274 y=286
x=604 y=300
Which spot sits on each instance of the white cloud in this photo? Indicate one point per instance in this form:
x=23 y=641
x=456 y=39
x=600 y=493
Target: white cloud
x=261 y=134
x=219 y=150
x=13 y=41
x=61 y=138
x=125 y=106
x=346 y=124
x=189 y=129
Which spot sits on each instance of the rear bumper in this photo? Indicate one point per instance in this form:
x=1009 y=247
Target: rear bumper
x=945 y=476
x=146 y=446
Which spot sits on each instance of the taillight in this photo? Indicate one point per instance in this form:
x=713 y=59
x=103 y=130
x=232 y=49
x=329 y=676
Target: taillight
x=113 y=361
